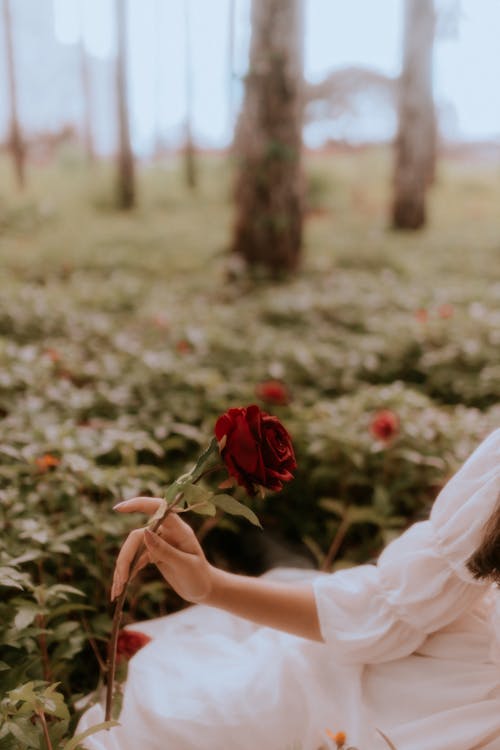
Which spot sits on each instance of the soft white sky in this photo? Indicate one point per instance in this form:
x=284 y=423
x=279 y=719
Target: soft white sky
x=338 y=33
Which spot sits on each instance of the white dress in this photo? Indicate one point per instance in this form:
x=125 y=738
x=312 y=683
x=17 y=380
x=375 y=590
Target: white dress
x=410 y=648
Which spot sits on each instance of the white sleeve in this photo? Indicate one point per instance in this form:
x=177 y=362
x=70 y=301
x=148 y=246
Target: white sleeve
x=375 y=613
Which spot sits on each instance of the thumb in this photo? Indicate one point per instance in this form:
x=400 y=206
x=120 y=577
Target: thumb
x=161 y=552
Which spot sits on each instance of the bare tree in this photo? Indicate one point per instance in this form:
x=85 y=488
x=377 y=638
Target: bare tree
x=88 y=139
x=230 y=63
x=16 y=144
x=126 y=170
x=416 y=140
x=341 y=90
x=268 y=144
x=190 y=170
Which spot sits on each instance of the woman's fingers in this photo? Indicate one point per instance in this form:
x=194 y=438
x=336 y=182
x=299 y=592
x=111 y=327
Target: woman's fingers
x=141 y=504
x=174 y=529
x=179 y=533
x=177 y=542
x=163 y=554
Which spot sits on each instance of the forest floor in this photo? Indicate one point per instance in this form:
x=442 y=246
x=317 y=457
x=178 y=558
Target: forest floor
x=67 y=217
x=122 y=340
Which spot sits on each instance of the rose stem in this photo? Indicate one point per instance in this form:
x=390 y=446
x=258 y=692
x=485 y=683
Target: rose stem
x=117 y=615
x=46 y=735
x=93 y=645
x=335 y=543
x=42 y=638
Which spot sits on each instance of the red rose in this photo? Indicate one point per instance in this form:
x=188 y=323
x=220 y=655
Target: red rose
x=385 y=424
x=273 y=392
x=257 y=448
x=129 y=642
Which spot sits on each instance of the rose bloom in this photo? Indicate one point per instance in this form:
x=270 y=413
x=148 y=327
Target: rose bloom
x=257 y=449
x=273 y=392
x=385 y=425
x=129 y=642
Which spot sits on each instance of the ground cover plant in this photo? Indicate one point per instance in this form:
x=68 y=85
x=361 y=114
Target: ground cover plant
x=123 y=337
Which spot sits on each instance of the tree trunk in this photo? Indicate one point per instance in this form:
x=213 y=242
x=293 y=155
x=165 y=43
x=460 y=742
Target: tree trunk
x=16 y=145
x=230 y=65
x=416 y=140
x=268 y=143
x=126 y=171
x=190 y=170
x=88 y=140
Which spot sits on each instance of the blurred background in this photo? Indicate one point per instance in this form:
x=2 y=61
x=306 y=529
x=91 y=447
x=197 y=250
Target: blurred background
x=204 y=205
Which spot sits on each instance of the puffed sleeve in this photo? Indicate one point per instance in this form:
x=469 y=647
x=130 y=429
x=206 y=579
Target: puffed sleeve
x=375 y=613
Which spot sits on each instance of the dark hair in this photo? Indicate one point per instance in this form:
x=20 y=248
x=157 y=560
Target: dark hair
x=485 y=560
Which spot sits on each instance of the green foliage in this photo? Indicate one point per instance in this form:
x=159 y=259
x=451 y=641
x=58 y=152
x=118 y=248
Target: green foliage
x=120 y=344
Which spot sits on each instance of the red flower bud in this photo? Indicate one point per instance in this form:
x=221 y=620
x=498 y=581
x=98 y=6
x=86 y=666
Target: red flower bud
x=385 y=425
x=273 y=392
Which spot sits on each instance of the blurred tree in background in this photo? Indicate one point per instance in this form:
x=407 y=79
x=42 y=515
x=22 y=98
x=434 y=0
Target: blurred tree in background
x=190 y=171
x=126 y=169
x=15 y=140
x=88 y=140
x=268 y=194
x=416 y=140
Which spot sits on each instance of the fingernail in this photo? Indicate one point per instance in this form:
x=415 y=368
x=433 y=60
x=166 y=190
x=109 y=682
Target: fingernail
x=121 y=504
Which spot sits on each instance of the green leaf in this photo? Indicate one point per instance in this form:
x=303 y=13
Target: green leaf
x=333 y=506
x=13 y=578
x=194 y=494
x=73 y=743
x=230 y=505
x=202 y=460
x=25 y=616
x=205 y=509
x=53 y=702
x=24 y=693
x=24 y=732
x=364 y=514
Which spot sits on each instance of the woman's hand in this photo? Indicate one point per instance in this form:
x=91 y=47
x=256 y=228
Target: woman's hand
x=174 y=549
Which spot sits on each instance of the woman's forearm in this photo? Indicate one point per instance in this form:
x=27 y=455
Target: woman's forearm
x=285 y=606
